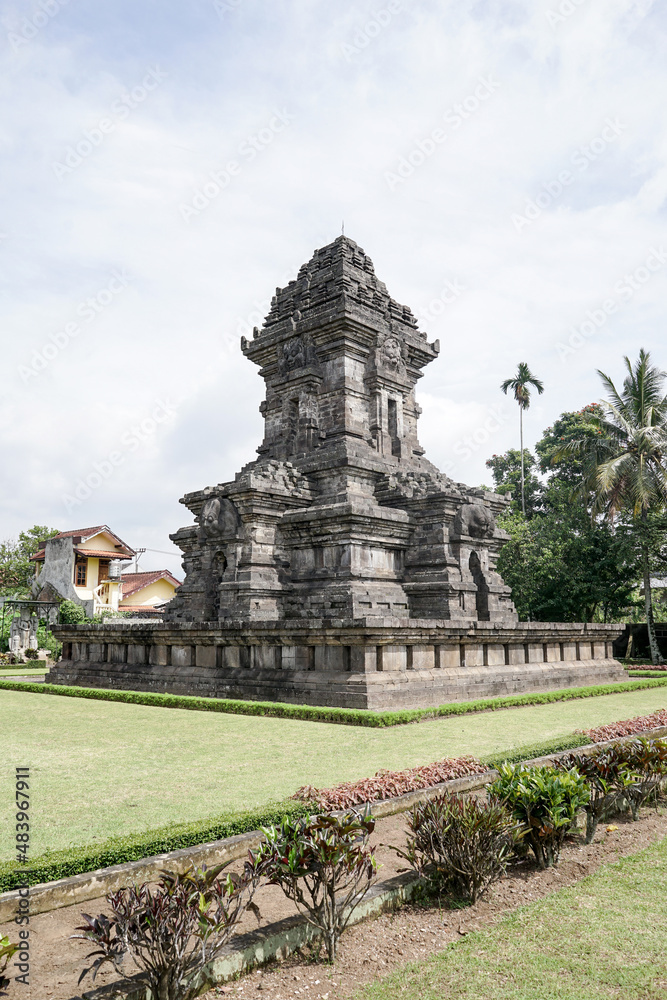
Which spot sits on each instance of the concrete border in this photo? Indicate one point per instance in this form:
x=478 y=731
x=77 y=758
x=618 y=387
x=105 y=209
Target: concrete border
x=279 y=939
x=91 y=885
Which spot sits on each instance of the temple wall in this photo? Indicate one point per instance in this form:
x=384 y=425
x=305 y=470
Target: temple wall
x=365 y=663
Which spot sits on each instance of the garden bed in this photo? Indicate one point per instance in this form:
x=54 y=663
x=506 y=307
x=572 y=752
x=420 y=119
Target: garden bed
x=369 y=949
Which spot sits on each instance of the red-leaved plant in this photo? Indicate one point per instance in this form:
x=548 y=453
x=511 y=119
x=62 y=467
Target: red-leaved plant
x=627 y=727
x=389 y=784
x=324 y=865
x=170 y=932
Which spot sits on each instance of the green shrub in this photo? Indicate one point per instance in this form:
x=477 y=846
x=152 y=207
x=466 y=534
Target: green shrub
x=119 y=850
x=31 y=654
x=324 y=865
x=600 y=772
x=641 y=766
x=72 y=613
x=457 y=843
x=6 y=951
x=545 y=800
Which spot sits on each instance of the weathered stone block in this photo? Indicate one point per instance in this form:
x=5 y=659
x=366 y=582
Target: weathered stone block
x=474 y=655
x=421 y=657
x=205 y=656
x=181 y=656
x=495 y=654
x=517 y=654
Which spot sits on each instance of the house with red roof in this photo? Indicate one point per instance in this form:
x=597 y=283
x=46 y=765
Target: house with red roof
x=147 y=592
x=83 y=565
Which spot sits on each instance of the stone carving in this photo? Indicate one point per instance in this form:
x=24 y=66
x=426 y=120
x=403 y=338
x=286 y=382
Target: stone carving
x=413 y=484
x=23 y=631
x=219 y=518
x=391 y=352
x=476 y=520
x=274 y=475
x=295 y=353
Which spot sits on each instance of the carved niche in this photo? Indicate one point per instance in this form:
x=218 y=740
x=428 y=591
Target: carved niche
x=295 y=353
x=475 y=520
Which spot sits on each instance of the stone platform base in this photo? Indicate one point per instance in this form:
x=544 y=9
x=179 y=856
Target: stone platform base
x=374 y=663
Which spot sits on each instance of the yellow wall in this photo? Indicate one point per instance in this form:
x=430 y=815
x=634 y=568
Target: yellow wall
x=101 y=541
x=161 y=590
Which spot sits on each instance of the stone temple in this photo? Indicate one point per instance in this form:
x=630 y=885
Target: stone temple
x=340 y=567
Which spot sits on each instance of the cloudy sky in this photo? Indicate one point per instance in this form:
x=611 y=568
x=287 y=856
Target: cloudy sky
x=167 y=164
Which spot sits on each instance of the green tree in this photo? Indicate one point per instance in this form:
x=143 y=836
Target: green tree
x=506 y=472
x=568 y=468
x=16 y=570
x=564 y=567
x=563 y=561
x=624 y=465
x=520 y=385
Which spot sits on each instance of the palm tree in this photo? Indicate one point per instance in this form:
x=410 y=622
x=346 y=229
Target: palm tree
x=520 y=387
x=625 y=466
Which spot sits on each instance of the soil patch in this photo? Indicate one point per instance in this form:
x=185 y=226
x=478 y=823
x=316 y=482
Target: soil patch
x=367 y=951
x=375 y=948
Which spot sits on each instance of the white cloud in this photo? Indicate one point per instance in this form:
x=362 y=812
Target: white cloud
x=173 y=330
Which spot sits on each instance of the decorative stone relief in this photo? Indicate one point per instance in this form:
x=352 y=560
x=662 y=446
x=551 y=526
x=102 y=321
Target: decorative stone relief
x=475 y=520
x=219 y=518
x=274 y=475
x=296 y=353
x=391 y=353
x=413 y=484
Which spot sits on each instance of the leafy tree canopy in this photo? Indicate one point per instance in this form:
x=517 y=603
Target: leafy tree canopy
x=563 y=563
x=16 y=570
x=506 y=472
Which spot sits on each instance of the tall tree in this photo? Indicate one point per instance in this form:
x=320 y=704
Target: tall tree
x=520 y=385
x=624 y=464
x=16 y=570
x=506 y=472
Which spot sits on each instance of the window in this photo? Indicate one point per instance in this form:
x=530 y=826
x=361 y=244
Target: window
x=80 y=573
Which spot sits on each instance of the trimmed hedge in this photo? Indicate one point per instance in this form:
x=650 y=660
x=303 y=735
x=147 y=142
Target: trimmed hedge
x=534 y=750
x=340 y=716
x=134 y=847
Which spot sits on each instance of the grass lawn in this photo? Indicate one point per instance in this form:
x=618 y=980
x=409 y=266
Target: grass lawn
x=602 y=938
x=103 y=768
